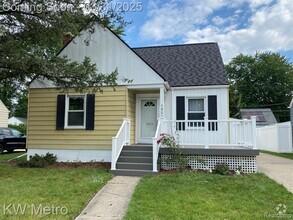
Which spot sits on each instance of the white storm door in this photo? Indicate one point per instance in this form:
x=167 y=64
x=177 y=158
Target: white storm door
x=148 y=120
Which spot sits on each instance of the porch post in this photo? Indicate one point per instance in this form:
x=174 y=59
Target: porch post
x=114 y=146
x=206 y=132
x=162 y=102
x=253 y=120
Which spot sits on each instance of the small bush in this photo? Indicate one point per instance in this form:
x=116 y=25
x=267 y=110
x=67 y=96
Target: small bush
x=222 y=169
x=50 y=158
x=38 y=161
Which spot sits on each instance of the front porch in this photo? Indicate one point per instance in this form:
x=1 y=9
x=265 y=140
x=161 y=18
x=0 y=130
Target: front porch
x=216 y=141
x=231 y=142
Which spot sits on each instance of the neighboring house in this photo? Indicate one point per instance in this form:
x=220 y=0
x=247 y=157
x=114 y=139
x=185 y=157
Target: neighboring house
x=180 y=89
x=16 y=121
x=4 y=112
x=264 y=116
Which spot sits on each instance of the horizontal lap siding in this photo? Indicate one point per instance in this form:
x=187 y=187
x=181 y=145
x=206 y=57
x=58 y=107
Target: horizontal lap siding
x=110 y=108
x=131 y=115
x=3 y=115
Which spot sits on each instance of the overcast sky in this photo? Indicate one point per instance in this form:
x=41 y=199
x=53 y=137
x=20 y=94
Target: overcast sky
x=239 y=26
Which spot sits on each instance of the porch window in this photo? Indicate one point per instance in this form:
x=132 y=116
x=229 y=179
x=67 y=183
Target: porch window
x=75 y=111
x=195 y=111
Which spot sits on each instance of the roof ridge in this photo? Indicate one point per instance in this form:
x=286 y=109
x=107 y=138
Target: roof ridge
x=174 y=45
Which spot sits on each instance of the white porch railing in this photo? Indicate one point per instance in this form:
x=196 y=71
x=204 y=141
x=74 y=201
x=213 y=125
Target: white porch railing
x=208 y=133
x=122 y=138
x=156 y=147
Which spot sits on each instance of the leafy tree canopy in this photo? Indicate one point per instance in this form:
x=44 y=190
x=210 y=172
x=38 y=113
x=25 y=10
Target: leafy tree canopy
x=32 y=33
x=264 y=80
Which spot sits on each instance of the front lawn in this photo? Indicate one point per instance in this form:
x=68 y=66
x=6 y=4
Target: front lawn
x=285 y=155
x=191 y=195
x=8 y=156
x=65 y=191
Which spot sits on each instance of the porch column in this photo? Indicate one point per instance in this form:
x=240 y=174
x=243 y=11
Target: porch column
x=206 y=132
x=162 y=102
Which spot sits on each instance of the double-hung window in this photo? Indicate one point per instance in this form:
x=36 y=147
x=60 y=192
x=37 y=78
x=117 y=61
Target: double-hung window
x=75 y=111
x=195 y=111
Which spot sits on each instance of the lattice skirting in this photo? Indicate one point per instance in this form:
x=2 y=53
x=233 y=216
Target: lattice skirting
x=247 y=163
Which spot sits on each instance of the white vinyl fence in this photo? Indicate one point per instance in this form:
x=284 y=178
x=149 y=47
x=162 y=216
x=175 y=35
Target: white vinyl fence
x=276 y=138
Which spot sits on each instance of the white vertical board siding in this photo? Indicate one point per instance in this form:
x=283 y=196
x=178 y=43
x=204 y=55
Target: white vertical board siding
x=109 y=52
x=222 y=100
x=218 y=137
x=3 y=115
x=276 y=138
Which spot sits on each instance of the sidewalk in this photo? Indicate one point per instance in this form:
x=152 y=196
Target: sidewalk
x=112 y=200
x=277 y=168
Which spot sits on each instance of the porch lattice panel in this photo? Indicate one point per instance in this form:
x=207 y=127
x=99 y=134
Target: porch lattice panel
x=247 y=163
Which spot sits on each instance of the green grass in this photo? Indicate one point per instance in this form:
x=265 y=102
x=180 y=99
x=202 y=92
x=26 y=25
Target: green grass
x=285 y=155
x=191 y=195
x=8 y=156
x=69 y=187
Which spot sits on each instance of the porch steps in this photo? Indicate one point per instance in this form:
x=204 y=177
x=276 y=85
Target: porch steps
x=135 y=160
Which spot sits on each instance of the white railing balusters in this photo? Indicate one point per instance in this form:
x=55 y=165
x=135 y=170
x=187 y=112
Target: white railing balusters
x=122 y=138
x=206 y=133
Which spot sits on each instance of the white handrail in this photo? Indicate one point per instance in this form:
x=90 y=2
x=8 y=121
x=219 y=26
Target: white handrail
x=156 y=146
x=122 y=138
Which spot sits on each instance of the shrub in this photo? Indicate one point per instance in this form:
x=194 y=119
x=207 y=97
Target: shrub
x=38 y=161
x=176 y=155
x=20 y=127
x=222 y=169
x=50 y=158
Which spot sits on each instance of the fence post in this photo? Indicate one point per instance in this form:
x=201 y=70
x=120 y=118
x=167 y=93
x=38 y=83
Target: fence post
x=114 y=148
x=206 y=132
x=253 y=120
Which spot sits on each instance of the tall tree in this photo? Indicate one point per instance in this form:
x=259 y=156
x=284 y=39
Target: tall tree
x=264 y=80
x=31 y=34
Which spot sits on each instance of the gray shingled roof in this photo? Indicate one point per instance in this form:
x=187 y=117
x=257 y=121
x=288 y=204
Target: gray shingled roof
x=188 y=64
x=264 y=116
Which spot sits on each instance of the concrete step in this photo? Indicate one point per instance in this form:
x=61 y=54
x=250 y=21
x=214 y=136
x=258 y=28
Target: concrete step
x=138 y=147
x=134 y=166
x=135 y=159
x=134 y=153
x=126 y=172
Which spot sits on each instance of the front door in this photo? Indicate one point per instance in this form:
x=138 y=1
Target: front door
x=148 y=120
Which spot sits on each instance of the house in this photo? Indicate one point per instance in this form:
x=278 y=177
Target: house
x=4 y=112
x=181 y=90
x=17 y=121
x=264 y=116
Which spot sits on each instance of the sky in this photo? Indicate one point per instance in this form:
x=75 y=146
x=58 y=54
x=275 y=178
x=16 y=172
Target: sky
x=238 y=26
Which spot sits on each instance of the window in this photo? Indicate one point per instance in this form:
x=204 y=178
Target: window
x=5 y=131
x=75 y=112
x=16 y=133
x=195 y=111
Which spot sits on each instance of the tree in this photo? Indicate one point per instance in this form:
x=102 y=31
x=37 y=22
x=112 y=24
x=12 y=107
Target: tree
x=264 y=80
x=31 y=34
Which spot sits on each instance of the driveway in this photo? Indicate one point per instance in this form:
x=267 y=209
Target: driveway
x=277 y=168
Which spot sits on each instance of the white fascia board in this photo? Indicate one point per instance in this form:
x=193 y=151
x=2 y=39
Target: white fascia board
x=201 y=87
x=147 y=86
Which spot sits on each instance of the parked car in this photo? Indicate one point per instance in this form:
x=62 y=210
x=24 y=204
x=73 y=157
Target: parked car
x=11 y=139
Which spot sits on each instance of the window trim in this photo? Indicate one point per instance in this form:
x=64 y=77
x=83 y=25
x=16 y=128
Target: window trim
x=66 y=126
x=187 y=110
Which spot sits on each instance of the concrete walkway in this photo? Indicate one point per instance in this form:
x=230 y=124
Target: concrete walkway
x=112 y=200
x=277 y=168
